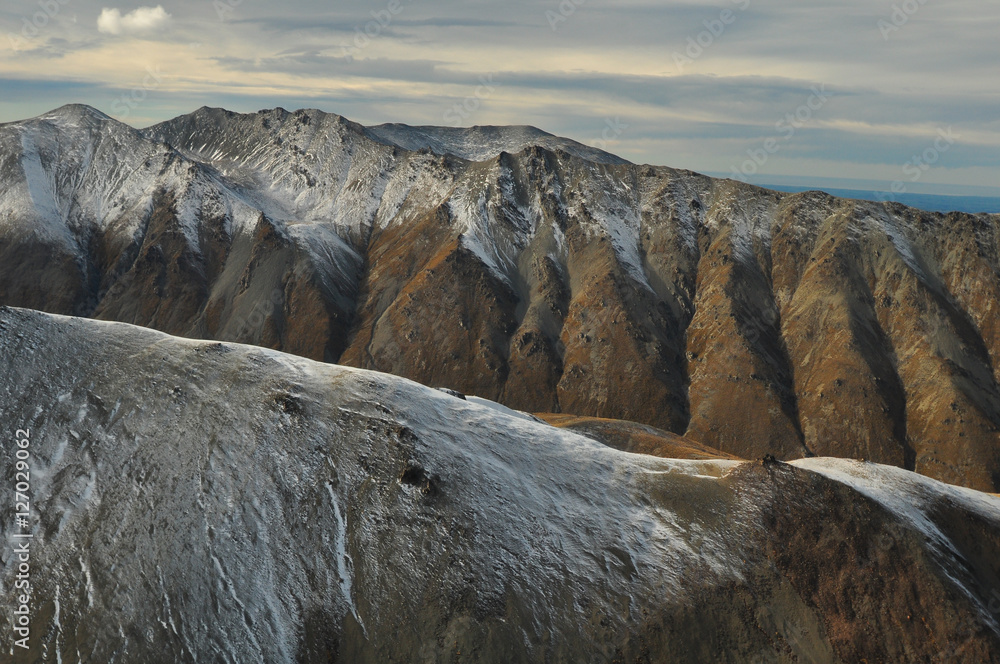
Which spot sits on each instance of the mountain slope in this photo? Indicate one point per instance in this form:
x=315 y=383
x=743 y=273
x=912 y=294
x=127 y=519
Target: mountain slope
x=208 y=501
x=751 y=321
x=483 y=143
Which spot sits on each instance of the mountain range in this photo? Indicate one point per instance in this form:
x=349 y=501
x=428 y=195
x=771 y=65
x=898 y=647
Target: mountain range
x=526 y=269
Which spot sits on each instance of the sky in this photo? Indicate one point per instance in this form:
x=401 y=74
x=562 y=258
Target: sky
x=886 y=91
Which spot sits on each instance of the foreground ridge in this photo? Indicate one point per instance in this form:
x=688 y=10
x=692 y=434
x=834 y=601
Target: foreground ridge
x=203 y=500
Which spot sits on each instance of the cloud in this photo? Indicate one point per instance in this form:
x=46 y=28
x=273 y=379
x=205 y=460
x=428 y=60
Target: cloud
x=608 y=59
x=143 y=19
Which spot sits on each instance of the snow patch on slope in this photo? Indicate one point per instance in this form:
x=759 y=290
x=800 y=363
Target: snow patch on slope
x=897 y=233
x=903 y=492
x=609 y=206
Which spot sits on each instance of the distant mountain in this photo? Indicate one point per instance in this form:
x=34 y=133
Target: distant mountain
x=484 y=143
x=548 y=278
x=930 y=202
x=202 y=501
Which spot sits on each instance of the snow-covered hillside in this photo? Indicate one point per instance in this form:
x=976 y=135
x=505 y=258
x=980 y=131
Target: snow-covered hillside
x=201 y=501
x=484 y=143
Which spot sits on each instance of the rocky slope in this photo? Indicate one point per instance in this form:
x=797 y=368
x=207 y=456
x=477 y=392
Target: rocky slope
x=202 y=501
x=553 y=279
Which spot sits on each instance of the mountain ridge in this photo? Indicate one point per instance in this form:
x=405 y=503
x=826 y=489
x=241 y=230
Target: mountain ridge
x=314 y=512
x=751 y=321
x=474 y=143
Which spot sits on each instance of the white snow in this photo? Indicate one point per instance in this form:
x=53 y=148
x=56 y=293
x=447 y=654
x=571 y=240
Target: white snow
x=345 y=571
x=500 y=408
x=904 y=493
x=898 y=234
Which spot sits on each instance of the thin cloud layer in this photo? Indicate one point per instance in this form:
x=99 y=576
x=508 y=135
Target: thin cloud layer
x=698 y=84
